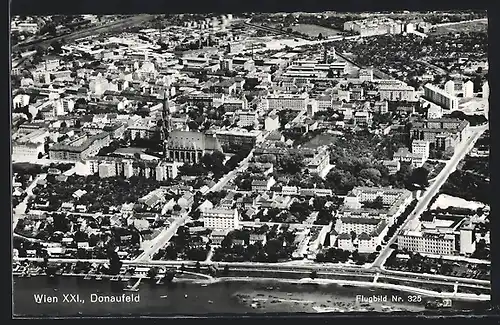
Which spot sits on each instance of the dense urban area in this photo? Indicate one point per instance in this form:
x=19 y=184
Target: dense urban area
x=350 y=147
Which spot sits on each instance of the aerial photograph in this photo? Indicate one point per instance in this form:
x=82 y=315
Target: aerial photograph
x=250 y=163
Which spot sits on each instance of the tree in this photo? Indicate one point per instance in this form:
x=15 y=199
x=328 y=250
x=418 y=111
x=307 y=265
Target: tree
x=355 y=255
x=169 y=276
x=378 y=203
x=292 y=163
x=314 y=274
x=379 y=248
x=114 y=263
x=153 y=272
x=56 y=46
x=372 y=174
x=419 y=176
x=320 y=36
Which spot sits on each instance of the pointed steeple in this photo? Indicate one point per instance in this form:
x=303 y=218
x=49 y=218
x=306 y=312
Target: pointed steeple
x=166 y=122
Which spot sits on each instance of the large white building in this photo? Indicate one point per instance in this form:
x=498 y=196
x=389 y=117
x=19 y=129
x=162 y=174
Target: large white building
x=421 y=148
x=107 y=169
x=27 y=151
x=468 y=89
x=272 y=122
x=220 y=218
x=441 y=97
x=26 y=27
x=486 y=90
x=430 y=243
x=21 y=100
x=440 y=234
x=449 y=87
x=28 y=147
x=296 y=102
x=397 y=92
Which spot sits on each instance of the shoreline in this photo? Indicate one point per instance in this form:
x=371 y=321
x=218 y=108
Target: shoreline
x=344 y=283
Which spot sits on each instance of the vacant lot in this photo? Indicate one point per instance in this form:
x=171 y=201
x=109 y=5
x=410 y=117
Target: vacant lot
x=474 y=26
x=314 y=30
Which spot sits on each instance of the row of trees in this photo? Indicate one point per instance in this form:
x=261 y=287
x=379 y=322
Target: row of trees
x=337 y=255
x=400 y=220
x=418 y=263
x=468 y=185
x=214 y=163
x=278 y=247
x=361 y=172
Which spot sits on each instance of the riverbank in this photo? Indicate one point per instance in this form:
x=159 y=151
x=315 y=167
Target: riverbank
x=194 y=278
x=363 y=284
x=223 y=296
x=317 y=302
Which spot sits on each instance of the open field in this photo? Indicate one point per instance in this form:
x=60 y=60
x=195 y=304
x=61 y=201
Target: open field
x=314 y=30
x=444 y=201
x=473 y=26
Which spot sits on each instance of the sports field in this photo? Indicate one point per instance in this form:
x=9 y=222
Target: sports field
x=470 y=26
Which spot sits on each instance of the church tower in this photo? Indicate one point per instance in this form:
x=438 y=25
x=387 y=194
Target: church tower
x=166 y=122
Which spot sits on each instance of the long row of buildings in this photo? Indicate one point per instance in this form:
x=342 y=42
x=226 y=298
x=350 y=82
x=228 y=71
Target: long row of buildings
x=440 y=233
x=363 y=228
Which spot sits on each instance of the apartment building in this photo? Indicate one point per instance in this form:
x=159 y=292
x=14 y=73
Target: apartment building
x=234 y=139
x=440 y=97
x=79 y=148
x=439 y=244
x=397 y=92
x=421 y=148
x=144 y=129
x=319 y=162
x=368 y=233
x=220 y=219
x=112 y=166
x=404 y=155
x=167 y=170
x=246 y=118
x=443 y=134
x=295 y=102
x=440 y=233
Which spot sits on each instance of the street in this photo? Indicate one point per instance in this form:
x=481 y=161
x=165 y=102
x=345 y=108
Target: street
x=161 y=239
x=21 y=208
x=461 y=150
x=93 y=30
x=279 y=268
x=243 y=165
x=166 y=234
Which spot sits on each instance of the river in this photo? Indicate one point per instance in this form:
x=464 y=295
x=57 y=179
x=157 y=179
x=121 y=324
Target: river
x=188 y=298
